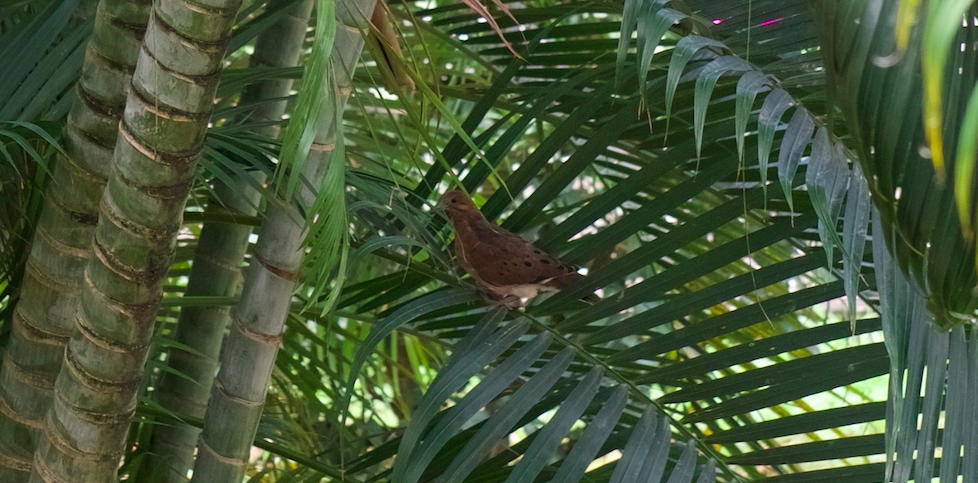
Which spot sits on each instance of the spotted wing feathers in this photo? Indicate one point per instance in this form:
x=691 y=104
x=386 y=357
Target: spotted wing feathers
x=500 y=258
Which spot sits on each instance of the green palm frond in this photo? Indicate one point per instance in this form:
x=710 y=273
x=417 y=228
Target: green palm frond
x=888 y=129
x=42 y=55
x=923 y=215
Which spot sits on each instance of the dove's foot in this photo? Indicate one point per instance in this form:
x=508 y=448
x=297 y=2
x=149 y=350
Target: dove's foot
x=510 y=302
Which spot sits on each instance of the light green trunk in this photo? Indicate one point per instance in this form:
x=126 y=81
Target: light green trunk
x=160 y=139
x=216 y=267
x=45 y=315
x=257 y=323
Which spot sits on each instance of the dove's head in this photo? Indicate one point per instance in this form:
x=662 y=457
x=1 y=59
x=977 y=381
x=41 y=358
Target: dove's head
x=457 y=204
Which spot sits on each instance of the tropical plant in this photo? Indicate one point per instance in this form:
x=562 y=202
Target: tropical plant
x=742 y=335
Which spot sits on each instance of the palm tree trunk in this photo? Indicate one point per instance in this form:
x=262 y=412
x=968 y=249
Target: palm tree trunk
x=216 y=271
x=248 y=356
x=160 y=139
x=45 y=315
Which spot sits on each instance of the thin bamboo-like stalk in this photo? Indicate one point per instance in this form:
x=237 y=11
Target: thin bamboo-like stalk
x=217 y=261
x=248 y=357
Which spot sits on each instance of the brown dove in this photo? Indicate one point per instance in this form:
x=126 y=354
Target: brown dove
x=503 y=263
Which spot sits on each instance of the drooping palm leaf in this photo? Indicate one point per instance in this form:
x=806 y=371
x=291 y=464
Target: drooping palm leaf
x=883 y=103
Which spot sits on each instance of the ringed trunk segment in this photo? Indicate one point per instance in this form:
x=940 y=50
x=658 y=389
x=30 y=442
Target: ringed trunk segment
x=217 y=263
x=45 y=315
x=248 y=357
x=160 y=138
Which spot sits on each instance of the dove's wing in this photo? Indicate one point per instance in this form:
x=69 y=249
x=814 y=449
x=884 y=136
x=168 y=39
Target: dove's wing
x=502 y=259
